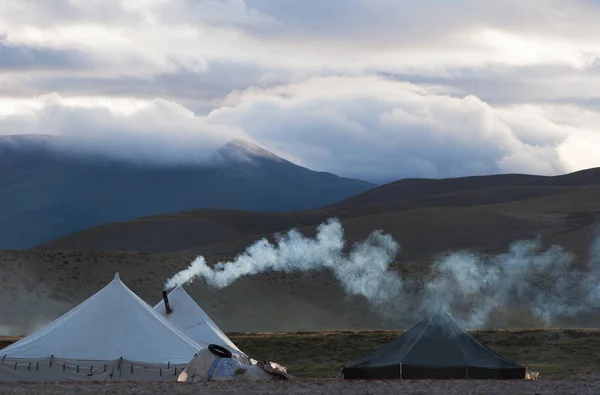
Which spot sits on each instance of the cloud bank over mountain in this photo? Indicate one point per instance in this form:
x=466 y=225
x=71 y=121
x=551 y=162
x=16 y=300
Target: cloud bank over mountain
x=376 y=89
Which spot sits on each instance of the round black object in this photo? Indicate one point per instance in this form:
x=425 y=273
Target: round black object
x=219 y=351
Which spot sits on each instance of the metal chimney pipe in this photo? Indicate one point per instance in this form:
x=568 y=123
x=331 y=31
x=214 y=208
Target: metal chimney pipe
x=166 y=299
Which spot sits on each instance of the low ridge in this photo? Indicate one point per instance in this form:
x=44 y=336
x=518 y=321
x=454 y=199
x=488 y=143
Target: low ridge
x=427 y=216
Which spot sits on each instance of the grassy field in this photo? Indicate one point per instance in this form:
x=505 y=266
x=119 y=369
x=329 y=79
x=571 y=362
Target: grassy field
x=556 y=353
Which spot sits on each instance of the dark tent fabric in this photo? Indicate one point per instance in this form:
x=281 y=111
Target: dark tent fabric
x=435 y=348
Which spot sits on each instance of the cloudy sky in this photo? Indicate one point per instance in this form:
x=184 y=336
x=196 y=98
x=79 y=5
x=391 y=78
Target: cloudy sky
x=375 y=89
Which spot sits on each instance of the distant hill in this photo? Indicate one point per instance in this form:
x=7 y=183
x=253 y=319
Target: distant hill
x=482 y=214
x=46 y=192
x=412 y=188
x=427 y=216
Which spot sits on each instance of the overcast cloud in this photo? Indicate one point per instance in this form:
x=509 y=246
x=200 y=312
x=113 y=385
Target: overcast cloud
x=376 y=89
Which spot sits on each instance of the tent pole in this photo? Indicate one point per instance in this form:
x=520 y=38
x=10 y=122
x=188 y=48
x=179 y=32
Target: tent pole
x=467 y=371
x=400 y=371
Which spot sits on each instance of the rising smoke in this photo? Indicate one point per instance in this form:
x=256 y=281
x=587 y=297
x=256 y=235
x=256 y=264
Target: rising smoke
x=363 y=271
x=541 y=281
x=547 y=283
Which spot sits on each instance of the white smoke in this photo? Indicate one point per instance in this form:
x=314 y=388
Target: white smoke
x=364 y=271
x=591 y=284
x=547 y=283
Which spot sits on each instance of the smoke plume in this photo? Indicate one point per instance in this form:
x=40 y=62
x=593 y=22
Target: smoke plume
x=542 y=281
x=365 y=270
x=547 y=284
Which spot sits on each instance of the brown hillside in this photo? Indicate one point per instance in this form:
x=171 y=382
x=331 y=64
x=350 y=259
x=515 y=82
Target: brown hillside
x=174 y=232
x=419 y=188
x=45 y=283
x=38 y=286
x=427 y=216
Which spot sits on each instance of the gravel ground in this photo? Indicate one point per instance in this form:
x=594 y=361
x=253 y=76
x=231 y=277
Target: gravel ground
x=317 y=386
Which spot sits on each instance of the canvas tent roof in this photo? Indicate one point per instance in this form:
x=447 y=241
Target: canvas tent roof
x=437 y=347
x=190 y=319
x=114 y=323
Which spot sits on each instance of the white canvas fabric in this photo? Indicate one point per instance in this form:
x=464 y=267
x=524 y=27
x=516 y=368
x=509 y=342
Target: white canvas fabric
x=113 y=329
x=190 y=319
x=57 y=369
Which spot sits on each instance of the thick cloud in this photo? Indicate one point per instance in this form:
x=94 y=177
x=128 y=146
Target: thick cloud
x=378 y=89
x=379 y=129
x=19 y=58
x=199 y=92
x=140 y=130
x=366 y=127
x=352 y=35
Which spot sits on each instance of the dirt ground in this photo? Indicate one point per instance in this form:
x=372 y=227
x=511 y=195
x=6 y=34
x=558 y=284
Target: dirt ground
x=558 y=354
x=566 y=359
x=316 y=386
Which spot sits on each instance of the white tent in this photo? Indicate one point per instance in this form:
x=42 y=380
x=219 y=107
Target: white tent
x=190 y=319
x=113 y=335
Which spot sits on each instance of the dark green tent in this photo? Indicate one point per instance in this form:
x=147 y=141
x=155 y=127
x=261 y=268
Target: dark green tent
x=435 y=348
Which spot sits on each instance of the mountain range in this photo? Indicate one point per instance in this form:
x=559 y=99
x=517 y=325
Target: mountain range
x=47 y=192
